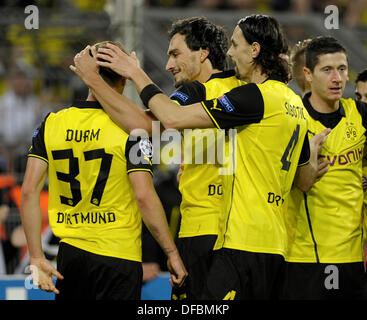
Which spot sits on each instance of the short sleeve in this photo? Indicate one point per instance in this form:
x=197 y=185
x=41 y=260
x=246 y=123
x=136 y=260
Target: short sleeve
x=305 y=152
x=38 y=147
x=242 y=105
x=138 y=153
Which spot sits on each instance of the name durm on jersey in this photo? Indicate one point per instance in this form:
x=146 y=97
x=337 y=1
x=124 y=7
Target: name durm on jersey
x=82 y=136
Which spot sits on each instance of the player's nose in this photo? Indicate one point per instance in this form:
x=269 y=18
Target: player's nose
x=170 y=65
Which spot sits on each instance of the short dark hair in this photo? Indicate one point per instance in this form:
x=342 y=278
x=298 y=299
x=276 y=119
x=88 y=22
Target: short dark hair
x=200 y=33
x=267 y=32
x=108 y=75
x=319 y=46
x=362 y=76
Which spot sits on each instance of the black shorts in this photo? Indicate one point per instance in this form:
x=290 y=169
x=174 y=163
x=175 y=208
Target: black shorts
x=89 y=276
x=196 y=254
x=321 y=281
x=243 y=275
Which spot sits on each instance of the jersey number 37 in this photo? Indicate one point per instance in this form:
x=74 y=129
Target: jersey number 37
x=74 y=171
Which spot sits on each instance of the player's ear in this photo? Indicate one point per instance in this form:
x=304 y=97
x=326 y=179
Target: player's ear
x=308 y=74
x=255 y=49
x=204 y=53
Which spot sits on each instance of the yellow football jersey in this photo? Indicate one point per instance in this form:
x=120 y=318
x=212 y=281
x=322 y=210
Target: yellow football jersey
x=207 y=160
x=271 y=125
x=325 y=223
x=364 y=210
x=91 y=201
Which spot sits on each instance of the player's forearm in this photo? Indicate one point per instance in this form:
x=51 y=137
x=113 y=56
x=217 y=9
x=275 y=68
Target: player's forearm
x=155 y=219
x=33 y=182
x=31 y=220
x=306 y=176
x=163 y=108
x=123 y=111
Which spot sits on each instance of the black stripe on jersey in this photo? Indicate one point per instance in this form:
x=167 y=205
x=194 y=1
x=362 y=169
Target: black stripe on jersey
x=222 y=75
x=232 y=189
x=87 y=104
x=310 y=227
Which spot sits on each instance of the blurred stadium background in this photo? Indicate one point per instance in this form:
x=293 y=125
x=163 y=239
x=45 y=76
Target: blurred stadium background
x=35 y=78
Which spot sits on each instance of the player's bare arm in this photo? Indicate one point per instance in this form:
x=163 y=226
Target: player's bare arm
x=34 y=180
x=308 y=174
x=123 y=111
x=169 y=113
x=155 y=219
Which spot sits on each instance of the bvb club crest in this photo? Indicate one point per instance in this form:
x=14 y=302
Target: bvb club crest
x=351 y=133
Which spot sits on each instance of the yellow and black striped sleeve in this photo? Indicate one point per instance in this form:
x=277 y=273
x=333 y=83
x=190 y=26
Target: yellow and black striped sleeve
x=38 y=147
x=138 y=153
x=240 y=106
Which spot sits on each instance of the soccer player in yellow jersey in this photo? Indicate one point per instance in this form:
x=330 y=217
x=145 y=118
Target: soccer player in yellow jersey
x=361 y=95
x=325 y=253
x=202 y=186
x=100 y=186
x=272 y=146
x=196 y=59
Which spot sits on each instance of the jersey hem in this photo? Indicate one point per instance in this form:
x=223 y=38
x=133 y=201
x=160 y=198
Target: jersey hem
x=303 y=164
x=324 y=260
x=92 y=250
x=133 y=170
x=38 y=157
x=196 y=234
x=252 y=249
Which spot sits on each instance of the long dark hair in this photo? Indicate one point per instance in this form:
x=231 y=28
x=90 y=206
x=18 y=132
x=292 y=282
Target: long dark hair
x=266 y=31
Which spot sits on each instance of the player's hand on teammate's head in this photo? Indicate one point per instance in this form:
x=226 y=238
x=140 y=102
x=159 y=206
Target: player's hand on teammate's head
x=117 y=60
x=85 y=63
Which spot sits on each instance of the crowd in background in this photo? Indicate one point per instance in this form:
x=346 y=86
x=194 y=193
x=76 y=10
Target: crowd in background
x=352 y=12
